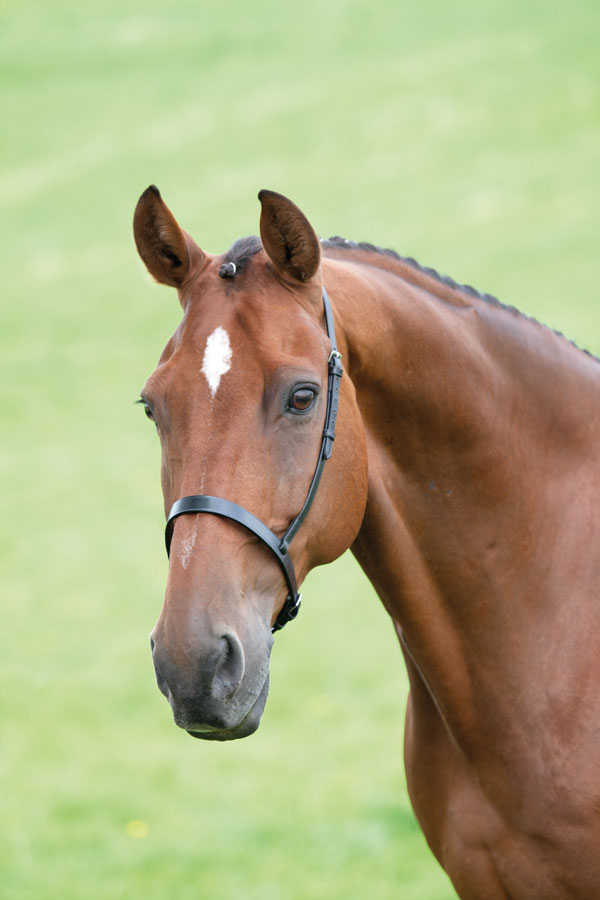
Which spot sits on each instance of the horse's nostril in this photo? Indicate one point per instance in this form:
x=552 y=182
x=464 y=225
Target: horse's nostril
x=230 y=668
x=151 y=644
x=198 y=686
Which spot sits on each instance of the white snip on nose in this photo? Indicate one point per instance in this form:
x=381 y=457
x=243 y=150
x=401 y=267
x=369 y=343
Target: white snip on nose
x=187 y=548
x=217 y=358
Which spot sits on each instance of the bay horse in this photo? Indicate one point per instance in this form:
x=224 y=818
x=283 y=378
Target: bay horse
x=465 y=478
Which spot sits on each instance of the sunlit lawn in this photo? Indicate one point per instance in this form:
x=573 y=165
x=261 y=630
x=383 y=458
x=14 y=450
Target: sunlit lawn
x=467 y=135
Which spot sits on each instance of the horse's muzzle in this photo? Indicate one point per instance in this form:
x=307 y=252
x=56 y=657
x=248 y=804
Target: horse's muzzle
x=215 y=695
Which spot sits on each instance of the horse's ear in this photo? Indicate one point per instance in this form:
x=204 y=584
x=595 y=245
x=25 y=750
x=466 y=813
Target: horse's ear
x=166 y=250
x=288 y=237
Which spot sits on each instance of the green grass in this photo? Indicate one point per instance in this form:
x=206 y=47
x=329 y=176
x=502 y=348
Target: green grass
x=467 y=135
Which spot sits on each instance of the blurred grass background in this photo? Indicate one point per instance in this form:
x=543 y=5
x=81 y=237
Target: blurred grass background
x=465 y=134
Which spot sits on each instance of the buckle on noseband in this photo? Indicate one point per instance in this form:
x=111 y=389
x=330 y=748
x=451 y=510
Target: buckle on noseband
x=288 y=612
x=202 y=503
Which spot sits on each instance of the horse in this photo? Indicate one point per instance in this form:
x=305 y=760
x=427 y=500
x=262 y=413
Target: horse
x=463 y=474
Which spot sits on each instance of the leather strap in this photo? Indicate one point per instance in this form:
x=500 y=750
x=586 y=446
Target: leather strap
x=204 y=503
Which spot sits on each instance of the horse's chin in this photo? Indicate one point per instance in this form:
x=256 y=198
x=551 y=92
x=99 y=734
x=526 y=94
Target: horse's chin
x=244 y=728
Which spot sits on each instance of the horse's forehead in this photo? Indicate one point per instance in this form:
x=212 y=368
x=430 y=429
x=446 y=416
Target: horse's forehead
x=232 y=338
x=262 y=321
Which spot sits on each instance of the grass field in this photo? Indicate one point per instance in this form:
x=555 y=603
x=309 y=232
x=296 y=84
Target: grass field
x=465 y=134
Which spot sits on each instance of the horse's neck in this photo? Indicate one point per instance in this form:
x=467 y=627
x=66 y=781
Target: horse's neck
x=479 y=427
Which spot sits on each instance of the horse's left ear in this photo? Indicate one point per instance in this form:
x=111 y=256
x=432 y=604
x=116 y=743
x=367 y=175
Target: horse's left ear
x=167 y=251
x=288 y=237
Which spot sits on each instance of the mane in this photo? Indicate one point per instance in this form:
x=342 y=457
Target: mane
x=340 y=243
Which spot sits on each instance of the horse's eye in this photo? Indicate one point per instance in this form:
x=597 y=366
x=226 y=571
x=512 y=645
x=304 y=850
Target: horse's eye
x=147 y=409
x=302 y=399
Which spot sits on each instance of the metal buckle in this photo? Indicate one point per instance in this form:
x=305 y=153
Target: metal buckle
x=335 y=354
x=288 y=612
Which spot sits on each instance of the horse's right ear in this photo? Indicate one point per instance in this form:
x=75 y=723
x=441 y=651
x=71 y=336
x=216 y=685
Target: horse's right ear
x=288 y=237
x=166 y=250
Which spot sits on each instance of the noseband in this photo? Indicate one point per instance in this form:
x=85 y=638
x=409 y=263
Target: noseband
x=203 y=503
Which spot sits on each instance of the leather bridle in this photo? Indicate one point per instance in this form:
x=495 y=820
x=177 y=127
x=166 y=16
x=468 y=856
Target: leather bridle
x=204 y=503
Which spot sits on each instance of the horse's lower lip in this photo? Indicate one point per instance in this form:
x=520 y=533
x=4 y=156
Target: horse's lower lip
x=208 y=732
x=219 y=735
x=245 y=727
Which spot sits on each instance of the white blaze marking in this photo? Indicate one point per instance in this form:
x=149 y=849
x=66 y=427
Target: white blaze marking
x=217 y=358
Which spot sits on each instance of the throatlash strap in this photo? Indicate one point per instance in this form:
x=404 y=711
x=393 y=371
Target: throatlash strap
x=204 y=503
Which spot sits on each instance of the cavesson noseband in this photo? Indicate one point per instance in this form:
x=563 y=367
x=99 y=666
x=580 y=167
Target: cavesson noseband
x=203 y=503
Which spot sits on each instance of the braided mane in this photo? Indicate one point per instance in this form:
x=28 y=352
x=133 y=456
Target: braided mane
x=340 y=243
x=343 y=244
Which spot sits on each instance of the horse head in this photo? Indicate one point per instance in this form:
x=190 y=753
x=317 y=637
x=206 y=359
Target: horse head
x=239 y=399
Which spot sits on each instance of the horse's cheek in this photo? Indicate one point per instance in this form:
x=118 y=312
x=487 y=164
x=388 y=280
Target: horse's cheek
x=344 y=487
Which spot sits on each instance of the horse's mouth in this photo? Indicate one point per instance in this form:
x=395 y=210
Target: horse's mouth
x=247 y=726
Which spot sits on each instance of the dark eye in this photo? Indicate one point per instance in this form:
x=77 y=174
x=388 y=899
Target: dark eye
x=302 y=399
x=147 y=409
